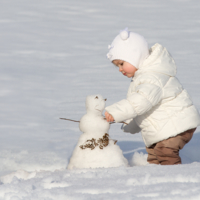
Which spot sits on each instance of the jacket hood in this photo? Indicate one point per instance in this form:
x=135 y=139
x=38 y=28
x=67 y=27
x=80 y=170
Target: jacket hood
x=159 y=60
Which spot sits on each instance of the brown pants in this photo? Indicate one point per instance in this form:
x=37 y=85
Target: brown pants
x=166 y=152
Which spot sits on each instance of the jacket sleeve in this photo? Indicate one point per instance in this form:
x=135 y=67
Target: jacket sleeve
x=145 y=96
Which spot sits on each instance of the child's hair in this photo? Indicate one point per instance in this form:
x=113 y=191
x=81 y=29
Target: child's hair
x=130 y=47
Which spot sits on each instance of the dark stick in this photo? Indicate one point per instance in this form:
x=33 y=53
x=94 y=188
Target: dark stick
x=69 y=120
x=79 y=121
x=118 y=122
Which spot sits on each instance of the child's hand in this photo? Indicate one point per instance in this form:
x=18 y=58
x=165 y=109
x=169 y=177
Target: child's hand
x=109 y=117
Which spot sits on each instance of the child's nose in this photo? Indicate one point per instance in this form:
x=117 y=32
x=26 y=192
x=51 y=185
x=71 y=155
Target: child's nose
x=120 y=69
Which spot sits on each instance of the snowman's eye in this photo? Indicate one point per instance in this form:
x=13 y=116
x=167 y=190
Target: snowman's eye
x=96 y=97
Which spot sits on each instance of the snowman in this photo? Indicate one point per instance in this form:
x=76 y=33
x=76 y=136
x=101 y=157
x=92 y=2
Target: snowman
x=95 y=149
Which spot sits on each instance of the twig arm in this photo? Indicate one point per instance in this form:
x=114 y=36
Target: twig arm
x=118 y=122
x=79 y=121
x=70 y=120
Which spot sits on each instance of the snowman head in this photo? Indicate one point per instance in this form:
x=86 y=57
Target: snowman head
x=95 y=104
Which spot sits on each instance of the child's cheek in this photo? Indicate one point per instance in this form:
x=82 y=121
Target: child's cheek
x=128 y=69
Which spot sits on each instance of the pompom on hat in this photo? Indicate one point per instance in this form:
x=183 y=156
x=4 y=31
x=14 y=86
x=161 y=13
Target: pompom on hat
x=130 y=47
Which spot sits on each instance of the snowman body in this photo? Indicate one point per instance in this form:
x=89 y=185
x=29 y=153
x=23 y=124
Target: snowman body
x=94 y=148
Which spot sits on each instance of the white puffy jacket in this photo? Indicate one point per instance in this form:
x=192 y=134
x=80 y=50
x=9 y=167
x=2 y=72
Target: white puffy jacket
x=156 y=104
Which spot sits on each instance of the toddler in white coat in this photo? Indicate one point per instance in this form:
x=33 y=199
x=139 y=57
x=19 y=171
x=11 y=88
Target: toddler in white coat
x=157 y=105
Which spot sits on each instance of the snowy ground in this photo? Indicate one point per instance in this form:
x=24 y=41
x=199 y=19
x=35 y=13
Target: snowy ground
x=52 y=55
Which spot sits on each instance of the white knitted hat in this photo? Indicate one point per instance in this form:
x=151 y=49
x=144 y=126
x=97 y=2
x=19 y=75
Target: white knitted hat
x=130 y=47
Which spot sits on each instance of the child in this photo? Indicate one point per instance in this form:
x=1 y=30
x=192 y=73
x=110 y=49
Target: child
x=156 y=103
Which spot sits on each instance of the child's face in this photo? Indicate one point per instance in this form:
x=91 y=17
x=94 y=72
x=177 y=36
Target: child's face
x=125 y=68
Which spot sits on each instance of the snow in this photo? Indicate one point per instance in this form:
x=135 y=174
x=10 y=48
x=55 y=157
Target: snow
x=53 y=55
x=139 y=182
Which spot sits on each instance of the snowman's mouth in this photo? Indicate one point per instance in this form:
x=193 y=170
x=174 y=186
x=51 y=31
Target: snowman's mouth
x=96 y=108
